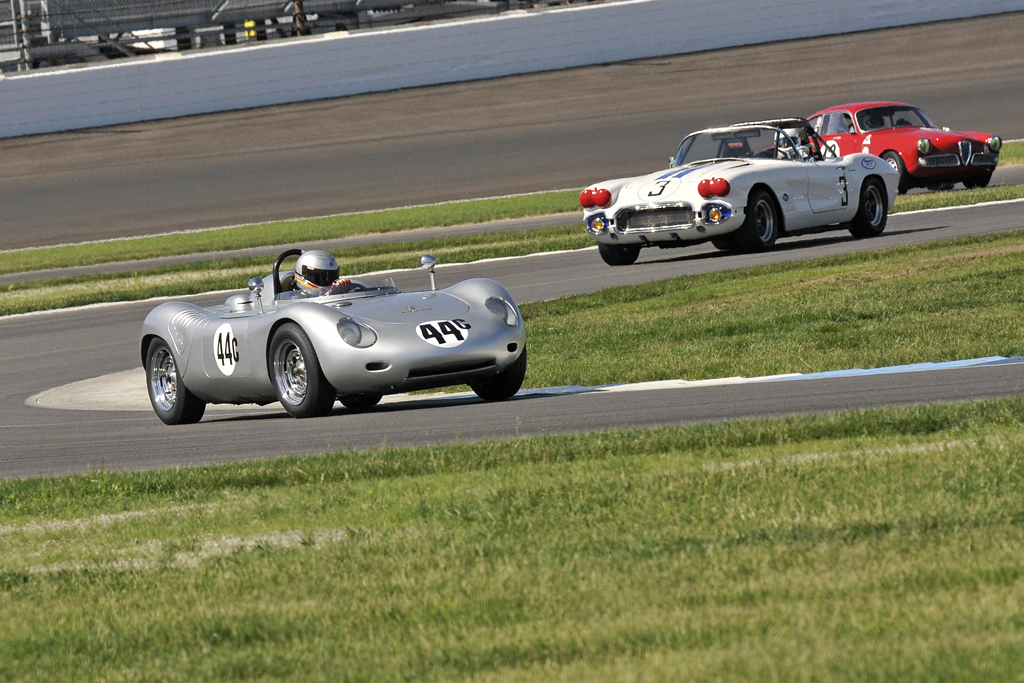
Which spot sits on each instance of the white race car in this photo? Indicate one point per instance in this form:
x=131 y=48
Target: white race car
x=741 y=187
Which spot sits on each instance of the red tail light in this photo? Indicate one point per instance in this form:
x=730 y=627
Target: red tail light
x=587 y=199
x=713 y=187
x=601 y=197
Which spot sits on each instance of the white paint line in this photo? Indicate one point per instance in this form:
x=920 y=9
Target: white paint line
x=99 y=520
x=959 y=206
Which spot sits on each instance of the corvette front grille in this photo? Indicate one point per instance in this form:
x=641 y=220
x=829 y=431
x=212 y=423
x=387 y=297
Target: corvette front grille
x=985 y=160
x=939 y=160
x=654 y=218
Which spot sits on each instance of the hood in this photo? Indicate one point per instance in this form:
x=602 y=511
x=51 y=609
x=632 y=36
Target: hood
x=408 y=307
x=675 y=183
x=944 y=141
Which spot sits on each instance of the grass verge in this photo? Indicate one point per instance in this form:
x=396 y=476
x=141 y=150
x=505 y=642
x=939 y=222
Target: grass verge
x=864 y=546
x=1012 y=154
x=207 y=276
x=306 y=230
x=946 y=300
x=289 y=232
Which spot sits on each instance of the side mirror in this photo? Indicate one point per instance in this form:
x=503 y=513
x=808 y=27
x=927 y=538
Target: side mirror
x=256 y=287
x=427 y=261
x=671 y=162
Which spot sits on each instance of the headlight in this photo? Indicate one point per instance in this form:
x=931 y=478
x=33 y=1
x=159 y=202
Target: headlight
x=355 y=334
x=994 y=143
x=503 y=310
x=716 y=213
x=597 y=224
x=924 y=145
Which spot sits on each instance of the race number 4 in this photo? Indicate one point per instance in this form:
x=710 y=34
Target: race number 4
x=225 y=349
x=444 y=333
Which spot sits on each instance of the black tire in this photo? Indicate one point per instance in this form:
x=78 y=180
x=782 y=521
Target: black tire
x=618 y=256
x=723 y=243
x=505 y=384
x=295 y=371
x=978 y=181
x=358 y=402
x=760 y=226
x=172 y=402
x=896 y=161
x=872 y=211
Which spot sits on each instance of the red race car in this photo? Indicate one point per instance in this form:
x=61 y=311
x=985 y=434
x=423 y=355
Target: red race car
x=924 y=154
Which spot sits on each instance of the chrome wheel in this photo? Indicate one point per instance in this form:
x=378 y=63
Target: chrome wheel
x=764 y=215
x=290 y=373
x=874 y=207
x=163 y=379
x=892 y=162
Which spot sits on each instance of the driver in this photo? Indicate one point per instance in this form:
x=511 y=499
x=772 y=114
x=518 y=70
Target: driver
x=316 y=274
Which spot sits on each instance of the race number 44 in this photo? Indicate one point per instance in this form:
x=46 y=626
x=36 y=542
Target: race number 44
x=225 y=349
x=444 y=333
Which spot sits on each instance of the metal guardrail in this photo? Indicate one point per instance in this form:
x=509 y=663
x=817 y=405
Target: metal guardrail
x=43 y=33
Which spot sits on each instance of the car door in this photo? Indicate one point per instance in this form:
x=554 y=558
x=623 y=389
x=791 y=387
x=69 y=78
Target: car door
x=827 y=188
x=226 y=352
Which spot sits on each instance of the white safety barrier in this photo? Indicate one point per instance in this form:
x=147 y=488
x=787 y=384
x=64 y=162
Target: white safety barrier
x=338 y=64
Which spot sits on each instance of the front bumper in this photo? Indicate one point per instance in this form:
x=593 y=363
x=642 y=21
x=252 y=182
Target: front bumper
x=664 y=224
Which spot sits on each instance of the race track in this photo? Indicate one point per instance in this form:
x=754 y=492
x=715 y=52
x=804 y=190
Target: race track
x=38 y=352
x=524 y=133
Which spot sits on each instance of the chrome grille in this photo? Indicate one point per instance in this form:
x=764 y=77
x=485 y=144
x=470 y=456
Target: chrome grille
x=939 y=160
x=965 y=150
x=985 y=159
x=654 y=218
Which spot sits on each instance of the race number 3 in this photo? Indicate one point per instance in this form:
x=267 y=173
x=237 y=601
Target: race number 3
x=225 y=349
x=444 y=333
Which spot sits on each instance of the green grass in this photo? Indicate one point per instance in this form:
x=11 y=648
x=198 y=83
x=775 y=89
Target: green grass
x=289 y=232
x=946 y=300
x=865 y=546
x=305 y=230
x=1012 y=154
x=207 y=276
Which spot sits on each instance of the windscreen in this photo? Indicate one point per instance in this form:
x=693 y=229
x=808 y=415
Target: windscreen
x=892 y=116
x=743 y=143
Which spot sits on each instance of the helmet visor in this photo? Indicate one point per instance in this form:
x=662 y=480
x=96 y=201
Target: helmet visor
x=319 y=276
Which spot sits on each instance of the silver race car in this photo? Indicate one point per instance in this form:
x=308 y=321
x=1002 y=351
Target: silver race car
x=314 y=338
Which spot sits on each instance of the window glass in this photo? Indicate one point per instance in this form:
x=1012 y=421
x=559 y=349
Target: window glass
x=892 y=116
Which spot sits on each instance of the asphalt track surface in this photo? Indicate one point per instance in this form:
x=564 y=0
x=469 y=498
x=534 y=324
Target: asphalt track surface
x=486 y=138
x=38 y=352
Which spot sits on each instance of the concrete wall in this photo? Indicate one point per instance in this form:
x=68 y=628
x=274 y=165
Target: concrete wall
x=333 y=65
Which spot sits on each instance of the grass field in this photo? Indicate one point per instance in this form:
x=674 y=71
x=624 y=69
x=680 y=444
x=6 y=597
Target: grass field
x=868 y=546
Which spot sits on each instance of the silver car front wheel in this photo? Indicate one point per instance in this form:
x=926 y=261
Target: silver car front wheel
x=172 y=402
x=300 y=383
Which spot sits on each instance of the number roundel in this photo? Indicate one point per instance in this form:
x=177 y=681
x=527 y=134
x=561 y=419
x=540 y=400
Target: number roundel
x=225 y=349
x=445 y=334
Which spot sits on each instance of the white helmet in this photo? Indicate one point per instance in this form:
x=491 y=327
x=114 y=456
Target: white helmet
x=315 y=272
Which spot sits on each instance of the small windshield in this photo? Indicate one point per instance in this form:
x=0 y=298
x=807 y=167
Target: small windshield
x=759 y=142
x=892 y=116
x=354 y=288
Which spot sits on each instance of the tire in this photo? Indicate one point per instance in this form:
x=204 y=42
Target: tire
x=979 y=181
x=618 y=256
x=358 y=402
x=760 y=226
x=505 y=384
x=872 y=211
x=723 y=243
x=172 y=402
x=295 y=371
x=896 y=161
